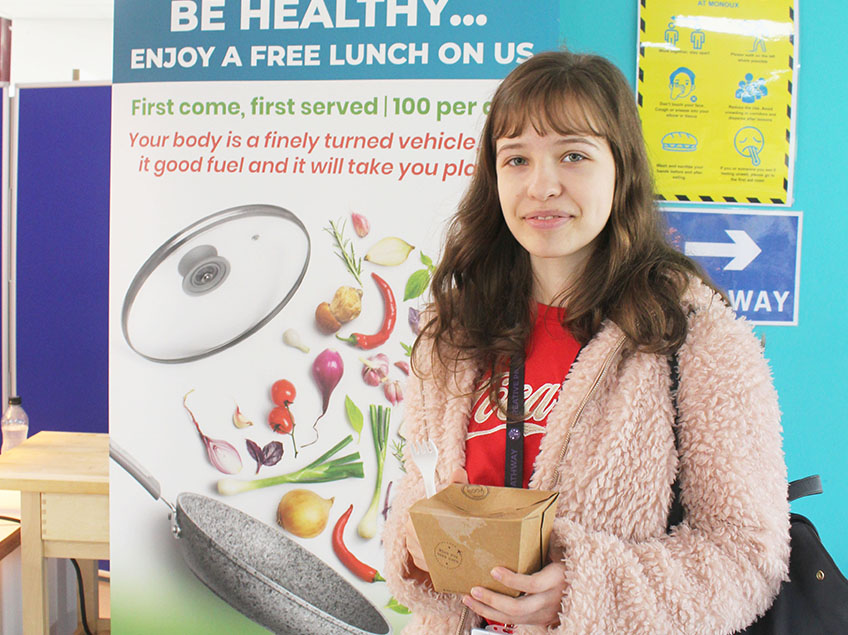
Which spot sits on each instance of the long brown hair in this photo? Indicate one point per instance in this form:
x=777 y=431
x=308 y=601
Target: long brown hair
x=482 y=288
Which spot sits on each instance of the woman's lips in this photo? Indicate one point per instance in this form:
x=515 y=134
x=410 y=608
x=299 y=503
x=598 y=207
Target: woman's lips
x=547 y=220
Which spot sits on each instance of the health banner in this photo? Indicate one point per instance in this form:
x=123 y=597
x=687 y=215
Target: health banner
x=716 y=92
x=273 y=230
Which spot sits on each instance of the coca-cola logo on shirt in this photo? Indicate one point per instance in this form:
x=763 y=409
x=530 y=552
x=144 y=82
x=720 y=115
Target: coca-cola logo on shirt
x=537 y=402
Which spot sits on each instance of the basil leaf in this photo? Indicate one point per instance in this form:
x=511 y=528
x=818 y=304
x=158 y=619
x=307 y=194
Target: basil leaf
x=257 y=453
x=272 y=453
x=426 y=261
x=354 y=415
x=417 y=284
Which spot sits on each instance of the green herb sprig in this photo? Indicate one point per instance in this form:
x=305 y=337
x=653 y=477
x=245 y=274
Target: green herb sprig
x=344 y=250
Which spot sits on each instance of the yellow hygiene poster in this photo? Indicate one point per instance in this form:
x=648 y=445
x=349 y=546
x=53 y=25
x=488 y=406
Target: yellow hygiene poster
x=715 y=90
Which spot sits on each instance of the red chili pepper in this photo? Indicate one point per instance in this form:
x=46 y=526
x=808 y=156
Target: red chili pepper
x=354 y=565
x=389 y=318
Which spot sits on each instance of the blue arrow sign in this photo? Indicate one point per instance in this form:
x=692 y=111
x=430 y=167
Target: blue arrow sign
x=754 y=256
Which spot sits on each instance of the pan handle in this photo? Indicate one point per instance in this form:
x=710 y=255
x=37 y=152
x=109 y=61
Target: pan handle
x=120 y=456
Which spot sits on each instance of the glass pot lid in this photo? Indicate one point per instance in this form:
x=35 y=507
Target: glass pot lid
x=215 y=283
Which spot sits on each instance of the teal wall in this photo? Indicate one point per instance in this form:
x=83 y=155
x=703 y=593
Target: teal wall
x=810 y=361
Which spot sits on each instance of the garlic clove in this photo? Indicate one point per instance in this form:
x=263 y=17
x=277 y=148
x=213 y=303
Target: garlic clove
x=389 y=252
x=360 y=225
x=393 y=392
x=239 y=420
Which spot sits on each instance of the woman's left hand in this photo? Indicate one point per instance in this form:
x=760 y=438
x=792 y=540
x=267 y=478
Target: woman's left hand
x=541 y=603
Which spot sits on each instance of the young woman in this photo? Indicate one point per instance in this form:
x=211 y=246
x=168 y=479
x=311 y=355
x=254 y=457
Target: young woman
x=557 y=256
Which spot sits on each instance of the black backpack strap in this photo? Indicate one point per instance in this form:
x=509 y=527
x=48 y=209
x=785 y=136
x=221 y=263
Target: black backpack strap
x=675 y=514
x=805 y=487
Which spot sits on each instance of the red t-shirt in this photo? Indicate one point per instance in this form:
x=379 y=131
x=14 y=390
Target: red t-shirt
x=550 y=351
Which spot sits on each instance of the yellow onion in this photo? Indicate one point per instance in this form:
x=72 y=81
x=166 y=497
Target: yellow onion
x=303 y=513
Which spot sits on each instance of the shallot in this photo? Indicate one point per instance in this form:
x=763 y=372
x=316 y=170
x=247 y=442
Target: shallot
x=222 y=455
x=327 y=370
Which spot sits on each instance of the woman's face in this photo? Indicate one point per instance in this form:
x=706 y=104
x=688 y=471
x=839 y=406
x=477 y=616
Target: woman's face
x=556 y=195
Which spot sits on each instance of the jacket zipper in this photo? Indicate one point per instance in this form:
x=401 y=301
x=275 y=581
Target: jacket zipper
x=595 y=383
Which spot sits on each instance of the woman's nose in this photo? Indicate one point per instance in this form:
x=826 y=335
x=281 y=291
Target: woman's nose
x=544 y=182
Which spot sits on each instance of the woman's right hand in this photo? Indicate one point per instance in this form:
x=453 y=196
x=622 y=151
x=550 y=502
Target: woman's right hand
x=412 y=545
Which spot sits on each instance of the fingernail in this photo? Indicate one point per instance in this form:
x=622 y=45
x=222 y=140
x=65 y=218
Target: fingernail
x=496 y=574
x=466 y=601
x=477 y=592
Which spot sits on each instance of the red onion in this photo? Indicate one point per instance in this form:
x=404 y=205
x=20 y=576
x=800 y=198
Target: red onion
x=327 y=370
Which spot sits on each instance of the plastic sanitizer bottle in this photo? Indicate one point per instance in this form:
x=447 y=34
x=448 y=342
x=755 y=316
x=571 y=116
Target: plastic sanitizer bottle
x=15 y=425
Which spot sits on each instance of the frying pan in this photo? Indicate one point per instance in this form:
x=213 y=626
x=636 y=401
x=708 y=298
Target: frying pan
x=258 y=570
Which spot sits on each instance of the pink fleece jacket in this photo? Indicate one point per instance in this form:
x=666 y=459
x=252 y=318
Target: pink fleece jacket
x=714 y=573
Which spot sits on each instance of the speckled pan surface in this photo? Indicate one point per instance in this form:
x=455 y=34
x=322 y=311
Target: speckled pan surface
x=268 y=577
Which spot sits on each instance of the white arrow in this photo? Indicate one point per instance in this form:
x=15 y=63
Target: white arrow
x=742 y=250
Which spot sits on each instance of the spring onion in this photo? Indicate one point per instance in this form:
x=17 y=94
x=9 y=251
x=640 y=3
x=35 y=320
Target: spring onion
x=320 y=470
x=380 y=431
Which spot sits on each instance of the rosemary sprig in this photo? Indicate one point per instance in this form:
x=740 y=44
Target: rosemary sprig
x=344 y=250
x=397 y=452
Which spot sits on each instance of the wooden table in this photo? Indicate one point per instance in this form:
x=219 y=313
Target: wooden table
x=63 y=478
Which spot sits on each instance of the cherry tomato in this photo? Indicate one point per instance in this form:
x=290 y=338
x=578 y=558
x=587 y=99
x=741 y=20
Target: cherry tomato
x=281 y=420
x=283 y=392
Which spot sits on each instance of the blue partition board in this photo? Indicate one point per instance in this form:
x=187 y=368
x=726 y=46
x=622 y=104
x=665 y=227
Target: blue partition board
x=808 y=360
x=63 y=256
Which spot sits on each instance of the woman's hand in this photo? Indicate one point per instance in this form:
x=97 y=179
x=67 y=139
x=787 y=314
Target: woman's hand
x=412 y=545
x=541 y=604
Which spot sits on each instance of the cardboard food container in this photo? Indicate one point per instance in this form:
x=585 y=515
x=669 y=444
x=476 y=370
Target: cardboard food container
x=467 y=530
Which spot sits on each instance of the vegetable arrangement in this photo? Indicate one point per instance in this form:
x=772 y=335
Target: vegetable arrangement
x=302 y=512
x=380 y=417
x=321 y=470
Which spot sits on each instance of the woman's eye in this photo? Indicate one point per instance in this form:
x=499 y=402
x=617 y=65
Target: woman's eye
x=517 y=161
x=573 y=157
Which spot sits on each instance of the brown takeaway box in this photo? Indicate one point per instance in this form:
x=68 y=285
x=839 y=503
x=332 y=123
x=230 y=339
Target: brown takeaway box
x=467 y=530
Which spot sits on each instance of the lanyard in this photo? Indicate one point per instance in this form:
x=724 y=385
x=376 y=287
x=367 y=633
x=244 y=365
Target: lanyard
x=514 y=460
